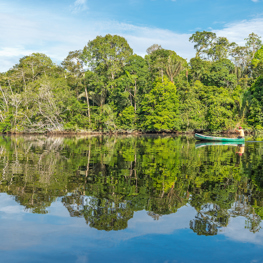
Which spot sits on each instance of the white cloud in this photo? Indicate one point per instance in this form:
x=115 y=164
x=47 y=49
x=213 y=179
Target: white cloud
x=80 y=2
x=236 y=231
x=237 y=31
x=255 y=1
x=57 y=36
x=26 y=33
x=79 y=5
x=14 y=52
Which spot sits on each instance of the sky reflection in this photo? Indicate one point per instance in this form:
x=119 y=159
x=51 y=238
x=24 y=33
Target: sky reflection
x=27 y=237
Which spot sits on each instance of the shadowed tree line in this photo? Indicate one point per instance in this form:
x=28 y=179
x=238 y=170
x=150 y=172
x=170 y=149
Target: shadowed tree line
x=106 y=179
x=106 y=87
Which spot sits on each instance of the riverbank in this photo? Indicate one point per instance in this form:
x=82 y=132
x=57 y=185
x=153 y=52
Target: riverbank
x=121 y=132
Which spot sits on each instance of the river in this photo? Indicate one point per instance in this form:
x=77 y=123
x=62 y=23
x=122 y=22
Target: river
x=129 y=199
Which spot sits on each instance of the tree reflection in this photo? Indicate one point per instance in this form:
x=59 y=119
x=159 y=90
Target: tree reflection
x=106 y=179
x=101 y=214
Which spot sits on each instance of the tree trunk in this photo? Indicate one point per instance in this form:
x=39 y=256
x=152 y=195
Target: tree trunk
x=10 y=87
x=7 y=108
x=24 y=81
x=87 y=171
x=87 y=97
x=33 y=72
x=135 y=91
x=101 y=126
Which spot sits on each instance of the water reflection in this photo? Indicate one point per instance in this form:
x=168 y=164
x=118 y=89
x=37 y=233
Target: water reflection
x=200 y=144
x=240 y=149
x=105 y=180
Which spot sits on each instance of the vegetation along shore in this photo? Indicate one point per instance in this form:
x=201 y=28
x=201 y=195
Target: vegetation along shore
x=106 y=88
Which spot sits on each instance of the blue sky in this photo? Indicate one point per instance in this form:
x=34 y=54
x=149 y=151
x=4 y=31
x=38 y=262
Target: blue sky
x=55 y=27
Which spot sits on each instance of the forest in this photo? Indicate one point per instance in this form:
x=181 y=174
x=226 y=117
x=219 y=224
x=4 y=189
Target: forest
x=105 y=87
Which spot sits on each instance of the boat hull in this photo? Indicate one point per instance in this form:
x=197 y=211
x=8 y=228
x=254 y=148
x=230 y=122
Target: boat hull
x=201 y=137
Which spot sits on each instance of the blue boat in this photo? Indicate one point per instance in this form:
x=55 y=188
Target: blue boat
x=201 y=137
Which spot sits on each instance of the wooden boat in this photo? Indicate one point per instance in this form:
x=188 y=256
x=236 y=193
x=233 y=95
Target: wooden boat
x=218 y=139
x=215 y=143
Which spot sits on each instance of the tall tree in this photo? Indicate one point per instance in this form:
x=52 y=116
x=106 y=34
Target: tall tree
x=175 y=64
x=153 y=48
x=160 y=108
x=203 y=41
x=107 y=55
x=73 y=65
x=253 y=43
x=241 y=60
x=35 y=65
x=220 y=48
x=74 y=71
x=137 y=71
x=257 y=62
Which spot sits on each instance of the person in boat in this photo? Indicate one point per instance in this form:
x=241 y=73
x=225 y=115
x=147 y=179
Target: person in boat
x=241 y=133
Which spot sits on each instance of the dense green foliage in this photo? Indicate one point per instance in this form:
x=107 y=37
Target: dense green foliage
x=105 y=87
x=106 y=179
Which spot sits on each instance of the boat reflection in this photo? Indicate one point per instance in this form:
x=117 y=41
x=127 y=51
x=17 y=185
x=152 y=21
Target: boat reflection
x=241 y=147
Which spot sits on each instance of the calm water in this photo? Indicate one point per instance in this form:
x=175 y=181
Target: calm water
x=129 y=199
